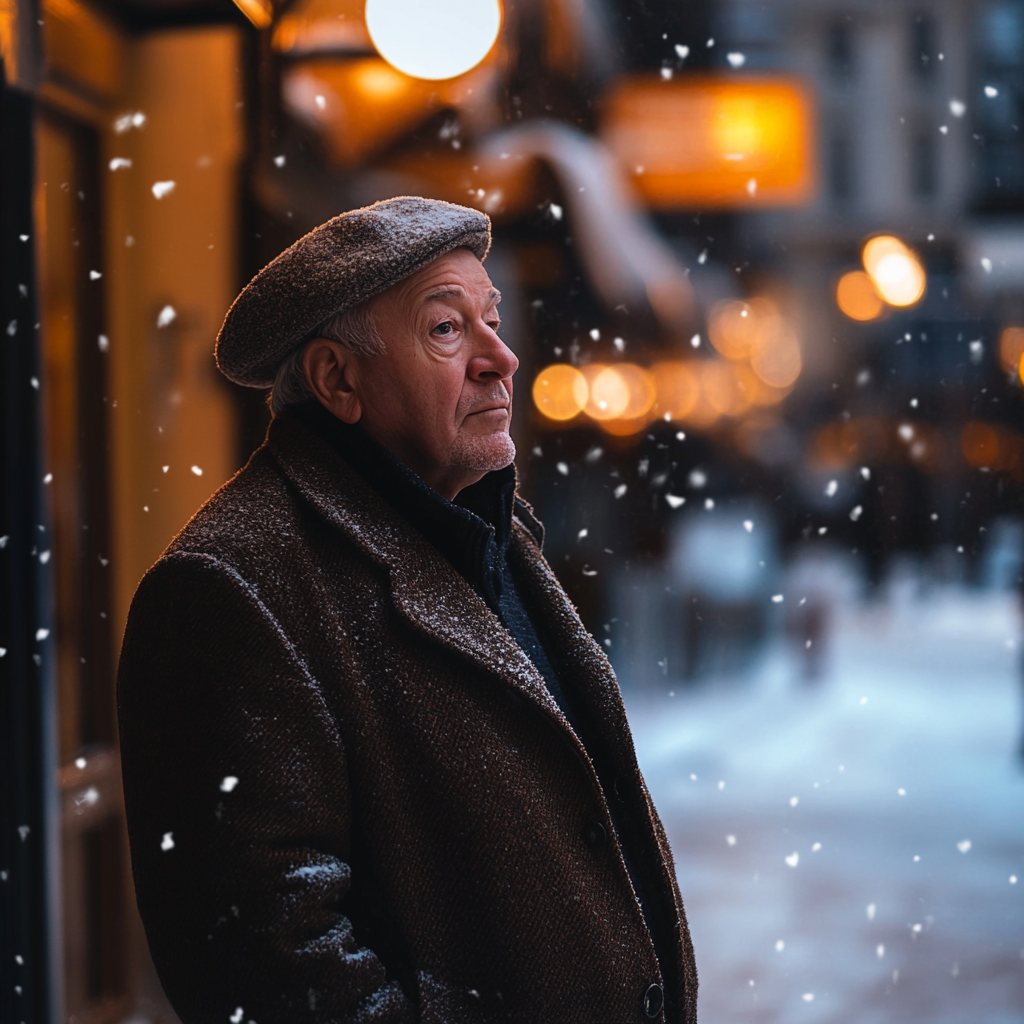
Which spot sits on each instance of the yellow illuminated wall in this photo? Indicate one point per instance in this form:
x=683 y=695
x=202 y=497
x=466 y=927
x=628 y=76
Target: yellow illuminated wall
x=170 y=407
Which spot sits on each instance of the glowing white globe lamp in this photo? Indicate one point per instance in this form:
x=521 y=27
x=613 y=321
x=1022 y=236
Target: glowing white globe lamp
x=433 y=39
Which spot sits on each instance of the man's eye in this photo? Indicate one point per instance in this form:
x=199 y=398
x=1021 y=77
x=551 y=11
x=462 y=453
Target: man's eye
x=444 y=328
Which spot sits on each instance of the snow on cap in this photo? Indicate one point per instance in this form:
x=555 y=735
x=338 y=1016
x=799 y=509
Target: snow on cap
x=351 y=258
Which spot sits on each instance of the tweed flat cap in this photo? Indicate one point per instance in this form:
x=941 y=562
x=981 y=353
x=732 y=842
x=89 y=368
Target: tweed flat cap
x=351 y=258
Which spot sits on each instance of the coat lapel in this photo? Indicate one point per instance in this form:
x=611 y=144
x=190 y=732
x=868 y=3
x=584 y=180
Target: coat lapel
x=428 y=592
x=580 y=662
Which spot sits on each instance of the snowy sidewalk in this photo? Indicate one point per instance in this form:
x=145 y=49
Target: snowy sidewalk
x=850 y=852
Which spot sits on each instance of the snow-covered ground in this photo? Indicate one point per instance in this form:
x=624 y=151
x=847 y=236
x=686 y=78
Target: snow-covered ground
x=853 y=850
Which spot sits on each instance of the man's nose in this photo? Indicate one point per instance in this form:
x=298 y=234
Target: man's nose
x=493 y=359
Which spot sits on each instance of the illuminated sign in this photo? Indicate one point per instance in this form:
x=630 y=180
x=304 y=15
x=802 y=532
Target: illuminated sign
x=714 y=141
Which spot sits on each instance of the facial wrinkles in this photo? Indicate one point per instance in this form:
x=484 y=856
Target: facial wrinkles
x=470 y=403
x=427 y=389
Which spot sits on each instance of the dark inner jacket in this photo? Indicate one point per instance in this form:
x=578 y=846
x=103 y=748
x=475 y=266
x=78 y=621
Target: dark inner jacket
x=472 y=532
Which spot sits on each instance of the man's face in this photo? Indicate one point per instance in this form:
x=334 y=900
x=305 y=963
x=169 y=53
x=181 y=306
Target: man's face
x=440 y=397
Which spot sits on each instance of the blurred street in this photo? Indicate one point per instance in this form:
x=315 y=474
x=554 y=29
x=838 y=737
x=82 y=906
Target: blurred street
x=894 y=917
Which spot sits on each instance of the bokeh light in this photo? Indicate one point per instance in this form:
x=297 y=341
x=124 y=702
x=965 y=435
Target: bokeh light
x=777 y=360
x=733 y=327
x=979 y=443
x=1011 y=349
x=433 y=39
x=640 y=386
x=703 y=414
x=857 y=298
x=677 y=389
x=641 y=398
x=608 y=392
x=722 y=389
x=560 y=392
x=894 y=270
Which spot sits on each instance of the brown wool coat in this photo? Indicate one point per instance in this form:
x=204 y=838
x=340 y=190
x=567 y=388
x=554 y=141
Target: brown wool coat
x=405 y=840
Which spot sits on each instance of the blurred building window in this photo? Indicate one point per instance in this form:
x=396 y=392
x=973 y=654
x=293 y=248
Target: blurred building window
x=1002 y=32
x=753 y=31
x=923 y=164
x=923 y=51
x=840 y=49
x=999 y=97
x=839 y=163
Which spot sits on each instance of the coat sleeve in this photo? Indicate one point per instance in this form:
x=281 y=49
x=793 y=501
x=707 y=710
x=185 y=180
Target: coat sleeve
x=239 y=811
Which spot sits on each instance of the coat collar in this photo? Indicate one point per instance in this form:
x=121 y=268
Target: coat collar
x=427 y=591
x=472 y=531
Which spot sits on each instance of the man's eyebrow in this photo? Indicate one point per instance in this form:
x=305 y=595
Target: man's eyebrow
x=458 y=293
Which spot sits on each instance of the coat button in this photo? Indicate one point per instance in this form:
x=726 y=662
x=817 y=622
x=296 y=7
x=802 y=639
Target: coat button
x=594 y=834
x=654 y=1000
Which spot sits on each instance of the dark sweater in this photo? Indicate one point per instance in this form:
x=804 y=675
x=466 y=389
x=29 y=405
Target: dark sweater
x=472 y=532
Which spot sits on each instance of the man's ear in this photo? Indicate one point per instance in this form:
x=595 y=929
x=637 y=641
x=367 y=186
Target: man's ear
x=332 y=373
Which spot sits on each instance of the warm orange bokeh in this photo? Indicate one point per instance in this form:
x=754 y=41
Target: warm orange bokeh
x=714 y=140
x=895 y=270
x=560 y=392
x=994 y=447
x=857 y=298
x=677 y=389
x=1011 y=349
x=732 y=327
x=722 y=389
x=624 y=398
x=608 y=392
x=640 y=385
x=979 y=443
x=777 y=360
x=738 y=327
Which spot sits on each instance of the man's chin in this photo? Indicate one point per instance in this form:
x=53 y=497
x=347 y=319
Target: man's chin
x=485 y=453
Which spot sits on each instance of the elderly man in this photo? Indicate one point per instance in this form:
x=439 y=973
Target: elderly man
x=375 y=768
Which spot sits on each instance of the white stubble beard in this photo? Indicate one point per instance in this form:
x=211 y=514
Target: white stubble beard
x=483 y=454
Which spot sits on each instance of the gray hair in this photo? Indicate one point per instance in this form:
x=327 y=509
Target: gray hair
x=354 y=329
